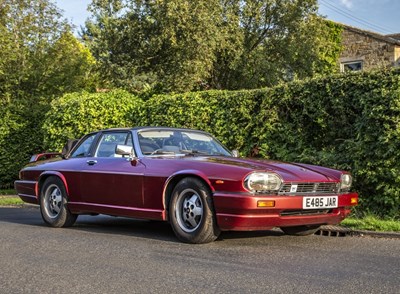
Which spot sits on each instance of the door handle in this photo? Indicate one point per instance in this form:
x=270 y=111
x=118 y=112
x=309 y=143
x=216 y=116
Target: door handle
x=91 y=162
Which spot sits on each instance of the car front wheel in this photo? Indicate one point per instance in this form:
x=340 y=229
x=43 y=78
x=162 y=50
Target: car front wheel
x=53 y=204
x=300 y=230
x=191 y=212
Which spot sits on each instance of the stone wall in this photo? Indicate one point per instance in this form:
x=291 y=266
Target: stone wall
x=373 y=50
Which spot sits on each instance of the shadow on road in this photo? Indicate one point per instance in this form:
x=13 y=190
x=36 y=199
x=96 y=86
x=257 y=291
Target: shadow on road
x=104 y=224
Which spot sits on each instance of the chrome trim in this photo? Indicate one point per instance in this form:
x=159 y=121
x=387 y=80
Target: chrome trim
x=304 y=189
x=111 y=172
x=313 y=188
x=25 y=182
x=27 y=195
x=125 y=150
x=116 y=207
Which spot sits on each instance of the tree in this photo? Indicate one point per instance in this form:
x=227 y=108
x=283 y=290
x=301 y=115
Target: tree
x=40 y=60
x=159 y=43
x=69 y=67
x=38 y=48
x=183 y=45
x=279 y=41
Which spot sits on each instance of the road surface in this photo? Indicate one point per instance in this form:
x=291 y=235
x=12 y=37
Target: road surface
x=117 y=255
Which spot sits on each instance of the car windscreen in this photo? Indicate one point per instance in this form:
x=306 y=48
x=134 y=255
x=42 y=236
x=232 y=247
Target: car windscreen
x=185 y=142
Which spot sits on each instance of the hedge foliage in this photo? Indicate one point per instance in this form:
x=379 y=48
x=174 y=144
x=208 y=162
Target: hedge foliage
x=226 y=114
x=21 y=136
x=76 y=114
x=349 y=122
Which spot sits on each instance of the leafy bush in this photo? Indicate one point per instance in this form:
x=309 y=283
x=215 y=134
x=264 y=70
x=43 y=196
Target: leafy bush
x=227 y=115
x=20 y=136
x=349 y=122
x=76 y=114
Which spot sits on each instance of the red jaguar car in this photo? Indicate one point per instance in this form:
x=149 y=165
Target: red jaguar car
x=185 y=177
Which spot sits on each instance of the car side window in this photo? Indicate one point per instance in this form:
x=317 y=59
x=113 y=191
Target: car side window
x=108 y=142
x=84 y=147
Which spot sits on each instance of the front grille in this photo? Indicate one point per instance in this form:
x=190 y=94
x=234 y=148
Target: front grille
x=309 y=188
x=305 y=212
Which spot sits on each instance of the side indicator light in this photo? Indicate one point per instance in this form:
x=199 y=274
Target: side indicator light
x=219 y=181
x=266 y=203
x=354 y=200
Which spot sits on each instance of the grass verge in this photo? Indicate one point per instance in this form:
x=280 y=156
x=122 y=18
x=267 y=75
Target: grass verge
x=8 y=192
x=372 y=223
x=10 y=200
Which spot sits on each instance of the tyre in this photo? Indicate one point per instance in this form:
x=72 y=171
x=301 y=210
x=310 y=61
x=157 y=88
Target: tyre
x=53 y=204
x=191 y=212
x=301 y=230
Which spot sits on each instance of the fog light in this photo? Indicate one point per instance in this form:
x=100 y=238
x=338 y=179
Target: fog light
x=354 y=200
x=266 y=203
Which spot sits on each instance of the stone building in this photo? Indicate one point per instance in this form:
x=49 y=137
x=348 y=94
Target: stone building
x=364 y=50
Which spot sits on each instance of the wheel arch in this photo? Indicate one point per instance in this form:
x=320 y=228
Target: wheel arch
x=174 y=179
x=45 y=175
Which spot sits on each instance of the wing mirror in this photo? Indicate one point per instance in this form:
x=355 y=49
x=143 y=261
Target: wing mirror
x=125 y=150
x=235 y=153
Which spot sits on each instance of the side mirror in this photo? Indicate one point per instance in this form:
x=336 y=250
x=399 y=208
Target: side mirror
x=235 y=153
x=125 y=150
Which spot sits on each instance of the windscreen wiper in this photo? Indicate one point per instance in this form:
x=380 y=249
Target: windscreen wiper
x=161 y=151
x=194 y=152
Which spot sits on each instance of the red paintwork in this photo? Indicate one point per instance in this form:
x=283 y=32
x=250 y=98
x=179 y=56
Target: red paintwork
x=239 y=212
x=117 y=186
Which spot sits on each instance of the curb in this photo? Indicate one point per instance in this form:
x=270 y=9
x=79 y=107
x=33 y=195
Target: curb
x=339 y=231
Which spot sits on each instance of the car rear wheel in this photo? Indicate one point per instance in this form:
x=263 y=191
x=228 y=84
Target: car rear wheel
x=53 y=204
x=191 y=212
x=300 y=230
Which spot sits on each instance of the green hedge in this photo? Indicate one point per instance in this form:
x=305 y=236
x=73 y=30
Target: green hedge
x=227 y=115
x=20 y=136
x=347 y=121
x=76 y=114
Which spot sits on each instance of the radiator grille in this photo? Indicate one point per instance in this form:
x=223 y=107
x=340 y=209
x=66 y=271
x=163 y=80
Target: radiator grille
x=309 y=188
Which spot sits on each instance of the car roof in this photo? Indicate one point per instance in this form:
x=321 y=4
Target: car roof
x=150 y=128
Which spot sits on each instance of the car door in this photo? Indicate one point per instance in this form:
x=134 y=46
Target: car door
x=109 y=179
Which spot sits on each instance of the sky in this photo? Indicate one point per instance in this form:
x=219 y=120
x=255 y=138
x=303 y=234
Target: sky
x=380 y=16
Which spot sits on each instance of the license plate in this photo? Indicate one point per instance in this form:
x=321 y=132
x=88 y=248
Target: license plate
x=320 y=202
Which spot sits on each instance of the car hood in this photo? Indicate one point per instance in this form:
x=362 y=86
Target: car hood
x=293 y=172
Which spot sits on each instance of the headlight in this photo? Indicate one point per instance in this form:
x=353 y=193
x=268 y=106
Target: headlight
x=345 y=182
x=262 y=181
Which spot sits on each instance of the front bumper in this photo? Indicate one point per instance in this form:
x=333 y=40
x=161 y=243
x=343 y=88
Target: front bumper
x=239 y=212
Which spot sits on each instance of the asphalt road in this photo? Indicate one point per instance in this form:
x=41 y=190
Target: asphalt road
x=117 y=255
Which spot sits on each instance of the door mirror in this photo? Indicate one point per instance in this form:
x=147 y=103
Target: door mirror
x=235 y=153
x=125 y=150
